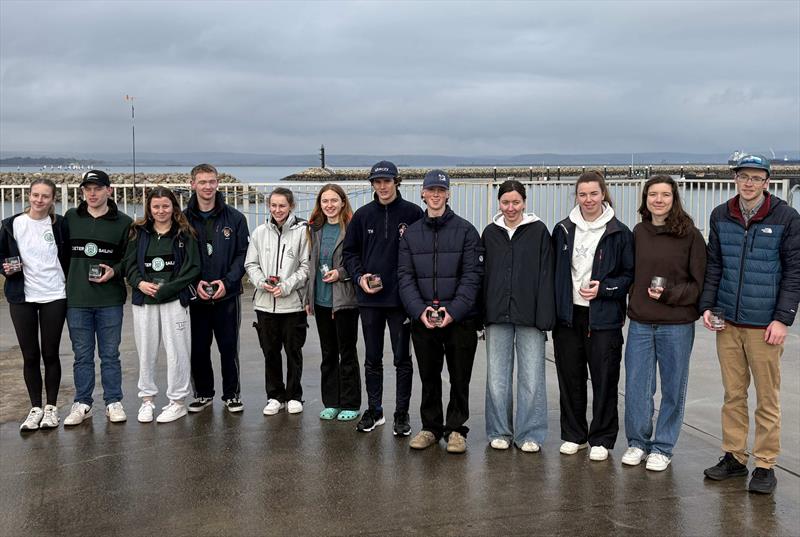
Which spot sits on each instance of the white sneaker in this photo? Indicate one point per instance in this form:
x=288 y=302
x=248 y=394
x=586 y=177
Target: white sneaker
x=50 y=418
x=146 y=412
x=633 y=456
x=31 y=423
x=173 y=411
x=499 y=443
x=598 y=453
x=294 y=407
x=530 y=447
x=116 y=413
x=273 y=407
x=78 y=413
x=571 y=448
x=657 y=462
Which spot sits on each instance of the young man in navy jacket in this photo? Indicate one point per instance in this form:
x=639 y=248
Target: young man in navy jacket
x=222 y=235
x=370 y=250
x=440 y=267
x=753 y=277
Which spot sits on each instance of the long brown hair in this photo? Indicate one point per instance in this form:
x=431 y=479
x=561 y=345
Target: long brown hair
x=678 y=221
x=318 y=218
x=594 y=176
x=178 y=218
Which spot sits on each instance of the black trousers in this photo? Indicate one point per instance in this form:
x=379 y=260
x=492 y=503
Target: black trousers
x=341 y=378
x=31 y=320
x=287 y=331
x=456 y=344
x=220 y=321
x=373 y=323
x=576 y=347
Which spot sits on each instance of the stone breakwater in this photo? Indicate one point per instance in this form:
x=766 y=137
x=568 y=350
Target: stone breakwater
x=539 y=172
x=142 y=181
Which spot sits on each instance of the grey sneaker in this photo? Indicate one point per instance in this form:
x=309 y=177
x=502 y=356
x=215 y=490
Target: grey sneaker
x=50 y=418
x=422 y=440
x=31 y=423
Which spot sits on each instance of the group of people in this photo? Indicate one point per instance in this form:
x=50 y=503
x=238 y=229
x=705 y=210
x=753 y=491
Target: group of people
x=434 y=281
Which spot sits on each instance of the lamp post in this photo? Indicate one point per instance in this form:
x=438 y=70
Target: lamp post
x=129 y=99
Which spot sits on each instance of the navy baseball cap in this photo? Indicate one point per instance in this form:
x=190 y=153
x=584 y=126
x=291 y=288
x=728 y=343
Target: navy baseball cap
x=383 y=170
x=98 y=177
x=436 y=179
x=758 y=162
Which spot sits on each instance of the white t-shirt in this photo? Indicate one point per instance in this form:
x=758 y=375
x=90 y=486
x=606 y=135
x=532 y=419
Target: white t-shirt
x=44 y=277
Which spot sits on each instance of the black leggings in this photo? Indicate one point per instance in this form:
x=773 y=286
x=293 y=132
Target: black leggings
x=49 y=319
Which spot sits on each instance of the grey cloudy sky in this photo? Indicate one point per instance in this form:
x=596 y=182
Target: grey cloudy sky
x=465 y=78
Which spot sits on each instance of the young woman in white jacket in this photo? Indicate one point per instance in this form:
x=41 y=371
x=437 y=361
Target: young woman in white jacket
x=277 y=264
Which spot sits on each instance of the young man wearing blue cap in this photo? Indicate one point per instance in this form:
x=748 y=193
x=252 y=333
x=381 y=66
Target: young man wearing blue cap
x=440 y=268
x=753 y=283
x=370 y=256
x=96 y=292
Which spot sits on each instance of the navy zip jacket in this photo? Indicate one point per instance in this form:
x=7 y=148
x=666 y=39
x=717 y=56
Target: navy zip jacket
x=229 y=244
x=14 y=287
x=371 y=245
x=753 y=269
x=518 y=285
x=612 y=267
x=441 y=259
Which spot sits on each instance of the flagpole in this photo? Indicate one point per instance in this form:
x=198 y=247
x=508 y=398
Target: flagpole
x=133 y=141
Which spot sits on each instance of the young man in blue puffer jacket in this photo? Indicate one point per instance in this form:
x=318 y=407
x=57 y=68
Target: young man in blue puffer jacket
x=753 y=276
x=440 y=266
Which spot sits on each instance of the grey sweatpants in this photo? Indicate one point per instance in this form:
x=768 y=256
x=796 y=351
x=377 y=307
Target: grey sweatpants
x=169 y=323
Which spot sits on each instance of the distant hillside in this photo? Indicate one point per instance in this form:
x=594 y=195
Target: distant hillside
x=351 y=161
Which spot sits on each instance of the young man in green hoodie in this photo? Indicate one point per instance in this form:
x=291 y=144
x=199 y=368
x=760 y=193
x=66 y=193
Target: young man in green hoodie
x=95 y=295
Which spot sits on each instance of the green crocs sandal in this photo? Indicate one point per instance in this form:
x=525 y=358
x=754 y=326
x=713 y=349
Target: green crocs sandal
x=329 y=413
x=347 y=415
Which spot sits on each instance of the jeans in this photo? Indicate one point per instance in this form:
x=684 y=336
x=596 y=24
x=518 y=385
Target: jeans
x=669 y=346
x=104 y=324
x=502 y=340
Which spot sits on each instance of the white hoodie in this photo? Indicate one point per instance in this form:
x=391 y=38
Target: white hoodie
x=587 y=236
x=527 y=218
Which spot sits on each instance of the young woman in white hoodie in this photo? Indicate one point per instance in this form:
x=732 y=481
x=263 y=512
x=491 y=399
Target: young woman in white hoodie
x=593 y=271
x=277 y=264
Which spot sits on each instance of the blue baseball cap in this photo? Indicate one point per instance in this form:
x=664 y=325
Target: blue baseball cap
x=383 y=170
x=436 y=179
x=758 y=162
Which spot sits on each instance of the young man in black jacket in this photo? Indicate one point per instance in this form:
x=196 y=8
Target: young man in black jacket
x=223 y=236
x=370 y=257
x=440 y=267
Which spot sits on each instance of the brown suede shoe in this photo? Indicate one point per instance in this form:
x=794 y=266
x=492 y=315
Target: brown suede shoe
x=456 y=443
x=422 y=440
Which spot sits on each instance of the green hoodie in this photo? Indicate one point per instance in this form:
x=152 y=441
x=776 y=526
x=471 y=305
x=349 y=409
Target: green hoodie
x=93 y=241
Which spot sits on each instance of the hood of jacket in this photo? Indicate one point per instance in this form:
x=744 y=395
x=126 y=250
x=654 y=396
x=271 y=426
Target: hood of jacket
x=577 y=218
x=527 y=218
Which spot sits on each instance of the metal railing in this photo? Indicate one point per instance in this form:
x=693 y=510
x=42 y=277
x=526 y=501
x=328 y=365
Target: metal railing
x=475 y=200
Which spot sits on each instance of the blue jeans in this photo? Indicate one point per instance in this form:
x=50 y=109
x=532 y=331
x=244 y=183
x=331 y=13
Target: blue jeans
x=669 y=346
x=531 y=423
x=106 y=325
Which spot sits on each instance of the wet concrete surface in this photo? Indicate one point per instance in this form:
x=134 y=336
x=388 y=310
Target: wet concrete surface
x=215 y=473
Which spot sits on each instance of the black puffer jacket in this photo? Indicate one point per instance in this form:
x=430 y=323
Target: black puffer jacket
x=441 y=259
x=518 y=283
x=612 y=267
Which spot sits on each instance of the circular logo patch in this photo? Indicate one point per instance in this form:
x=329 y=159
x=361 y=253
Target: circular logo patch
x=90 y=249
x=48 y=237
x=210 y=248
x=158 y=264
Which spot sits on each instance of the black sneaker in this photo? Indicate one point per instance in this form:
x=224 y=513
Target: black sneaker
x=402 y=425
x=763 y=481
x=727 y=467
x=234 y=404
x=200 y=403
x=369 y=420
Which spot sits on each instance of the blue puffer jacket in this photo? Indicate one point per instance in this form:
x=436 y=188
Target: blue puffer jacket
x=753 y=270
x=612 y=267
x=441 y=259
